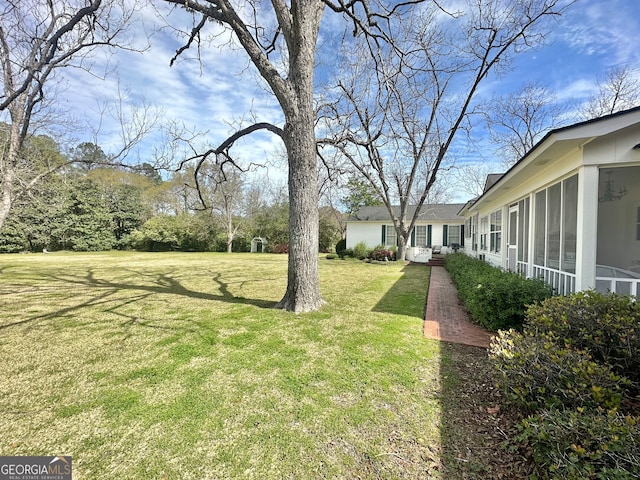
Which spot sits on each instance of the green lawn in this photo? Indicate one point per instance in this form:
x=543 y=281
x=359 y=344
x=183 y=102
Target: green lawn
x=175 y=365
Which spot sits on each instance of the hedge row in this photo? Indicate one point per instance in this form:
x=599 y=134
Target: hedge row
x=575 y=370
x=495 y=298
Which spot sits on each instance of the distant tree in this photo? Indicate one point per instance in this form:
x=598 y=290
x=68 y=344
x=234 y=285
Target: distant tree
x=360 y=193
x=517 y=121
x=158 y=234
x=330 y=229
x=196 y=232
x=150 y=172
x=186 y=232
x=227 y=202
x=271 y=220
x=471 y=178
x=256 y=197
x=180 y=195
x=30 y=225
x=85 y=224
x=37 y=39
x=125 y=195
x=618 y=89
x=88 y=155
x=34 y=218
x=127 y=211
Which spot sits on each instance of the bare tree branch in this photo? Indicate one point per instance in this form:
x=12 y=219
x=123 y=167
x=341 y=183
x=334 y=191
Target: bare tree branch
x=220 y=154
x=618 y=89
x=36 y=39
x=396 y=115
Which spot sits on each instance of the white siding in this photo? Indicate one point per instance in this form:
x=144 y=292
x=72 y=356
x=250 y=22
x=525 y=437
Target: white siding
x=371 y=233
x=368 y=232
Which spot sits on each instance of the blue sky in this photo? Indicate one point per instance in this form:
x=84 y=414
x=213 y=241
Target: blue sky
x=222 y=92
x=591 y=37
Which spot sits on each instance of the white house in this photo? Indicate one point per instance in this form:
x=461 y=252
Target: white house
x=569 y=210
x=437 y=225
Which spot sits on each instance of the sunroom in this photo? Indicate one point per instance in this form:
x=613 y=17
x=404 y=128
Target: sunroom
x=569 y=211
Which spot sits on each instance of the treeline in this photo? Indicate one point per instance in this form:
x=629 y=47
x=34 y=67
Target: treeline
x=89 y=207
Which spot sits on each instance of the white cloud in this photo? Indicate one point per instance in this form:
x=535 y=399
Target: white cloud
x=597 y=28
x=206 y=95
x=224 y=89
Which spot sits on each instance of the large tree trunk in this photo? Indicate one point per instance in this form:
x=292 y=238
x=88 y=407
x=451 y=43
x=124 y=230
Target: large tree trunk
x=303 y=286
x=298 y=24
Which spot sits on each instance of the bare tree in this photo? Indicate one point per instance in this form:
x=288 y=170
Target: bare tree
x=36 y=40
x=471 y=177
x=227 y=201
x=517 y=121
x=398 y=109
x=280 y=40
x=618 y=89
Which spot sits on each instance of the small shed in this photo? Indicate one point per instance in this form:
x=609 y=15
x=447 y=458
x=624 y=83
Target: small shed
x=255 y=242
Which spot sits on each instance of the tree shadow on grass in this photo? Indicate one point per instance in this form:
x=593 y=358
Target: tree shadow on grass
x=407 y=296
x=161 y=284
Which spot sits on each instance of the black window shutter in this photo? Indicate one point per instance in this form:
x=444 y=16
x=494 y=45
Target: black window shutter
x=445 y=235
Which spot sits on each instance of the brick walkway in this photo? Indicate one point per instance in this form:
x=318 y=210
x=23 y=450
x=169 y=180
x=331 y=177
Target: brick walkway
x=445 y=318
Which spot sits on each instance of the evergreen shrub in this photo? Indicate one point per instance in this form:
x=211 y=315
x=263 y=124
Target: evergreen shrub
x=495 y=298
x=536 y=373
x=569 y=367
x=279 y=248
x=605 y=326
x=581 y=444
x=347 y=252
x=360 y=251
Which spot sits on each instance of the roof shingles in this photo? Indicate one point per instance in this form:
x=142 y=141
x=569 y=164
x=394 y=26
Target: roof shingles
x=433 y=212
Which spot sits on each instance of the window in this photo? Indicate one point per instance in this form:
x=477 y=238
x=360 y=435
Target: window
x=496 y=231
x=390 y=238
x=454 y=235
x=421 y=235
x=554 y=207
x=484 y=231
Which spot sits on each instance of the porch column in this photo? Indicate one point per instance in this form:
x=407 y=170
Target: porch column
x=587 y=245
